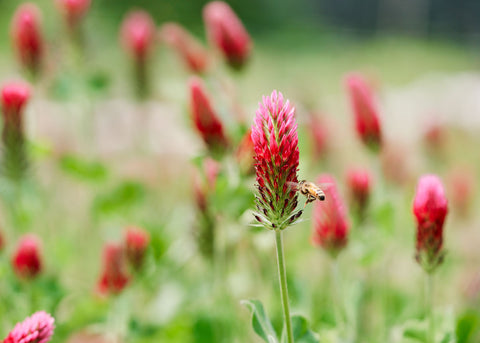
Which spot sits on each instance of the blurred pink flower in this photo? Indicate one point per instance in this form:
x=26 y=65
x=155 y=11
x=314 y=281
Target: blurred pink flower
x=73 y=10
x=188 y=47
x=136 y=244
x=330 y=226
x=461 y=186
x=435 y=135
x=319 y=135
x=204 y=118
x=245 y=154
x=14 y=97
x=2 y=240
x=359 y=182
x=27 y=37
x=275 y=141
x=227 y=33
x=430 y=208
x=27 y=260
x=367 y=122
x=38 y=328
x=114 y=277
x=138 y=34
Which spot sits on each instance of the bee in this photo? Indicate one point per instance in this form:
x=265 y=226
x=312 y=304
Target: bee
x=309 y=189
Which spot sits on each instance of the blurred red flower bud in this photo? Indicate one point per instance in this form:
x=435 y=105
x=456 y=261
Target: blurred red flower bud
x=359 y=182
x=275 y=141
x=204 y=182
x=138 y=34
x=14 y=98
x=27 y=37
x=435 y=134
x=73 y=11
x=136 y=244
x=245 y=154
x=2 y=240
x=319 y=135
x=461 y=187
x=188 y=47
x=367 y=122
x=27 y=260
x=430 y=209
x=330 y=226
x=38 y=328
x=226 y=32
x=114 y=276
x=206 y=121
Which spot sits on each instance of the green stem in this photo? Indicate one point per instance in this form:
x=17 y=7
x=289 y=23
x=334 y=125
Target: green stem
x=282 y=275
x=429 y=289
x=336 y=293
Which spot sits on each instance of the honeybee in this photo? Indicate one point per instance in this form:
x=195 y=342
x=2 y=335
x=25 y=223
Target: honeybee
x=309 y=189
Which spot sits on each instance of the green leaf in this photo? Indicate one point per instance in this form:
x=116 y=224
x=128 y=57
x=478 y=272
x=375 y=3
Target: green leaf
x=125 y=195
x=301 y=330
x=83 y=170
x=260 y=322
x=468 y=324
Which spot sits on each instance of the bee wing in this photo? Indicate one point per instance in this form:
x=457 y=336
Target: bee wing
x=325 y=185
x=293 y=185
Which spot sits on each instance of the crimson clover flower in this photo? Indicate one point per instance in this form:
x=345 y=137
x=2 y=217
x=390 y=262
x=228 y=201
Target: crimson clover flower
x=359 y=182
x=27 y=261
x=114 y=277
x=367 y=122
x=188 y=47
x=330 y=225
x=27 y=37
x=73 y=11
x=430 y=208
x=226 y=32
x=38 y=328
x=275 y=141
x=136 y=244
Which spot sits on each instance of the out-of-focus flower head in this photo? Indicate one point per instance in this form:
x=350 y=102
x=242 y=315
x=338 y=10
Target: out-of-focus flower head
x=2 y=240
x=27 y=37
x=396 y=164
x=226 y=32
x=15 y=96
x=38 y=328
x=138 y=34
x=204 y=182
x=430 y=208
x=461 y=187
x=27 y=260
x=319 y=135
x=73 y=11
x=188 y=47
x=367 y=121
x=359 y=182
x=275 y=141
x=245 y=153
x=114 y=276
x=204 y=118
x=136 y=244
x=435 y=135
x=330 y=226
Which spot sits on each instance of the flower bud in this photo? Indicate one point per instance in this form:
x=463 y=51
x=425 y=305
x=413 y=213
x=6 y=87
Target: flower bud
x=245 y=153
x=430 y=209
x=27 y=260
x=275 y=141
x=27 y=37
x=114 y=277
x=319 y=136
x=138 y=34
x=73 y=11
x=188 y=47
x=136 y=244
x=14 y=98
x=330 y=224
x=461 y=187
x=367 y=122
x=359 y=182
x=204 y=118
x=226 y=32
x=38 y=328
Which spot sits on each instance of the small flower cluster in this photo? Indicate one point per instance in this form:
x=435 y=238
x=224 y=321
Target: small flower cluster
x=115 y=274
x=38 y=328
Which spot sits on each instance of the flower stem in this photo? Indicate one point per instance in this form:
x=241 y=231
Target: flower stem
x=429 y=289
x=336 y=293
x=282 y=275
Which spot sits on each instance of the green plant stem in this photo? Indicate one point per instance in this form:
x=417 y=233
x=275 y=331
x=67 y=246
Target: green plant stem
x=336 y=293
x=282 y=275
x=429 y=289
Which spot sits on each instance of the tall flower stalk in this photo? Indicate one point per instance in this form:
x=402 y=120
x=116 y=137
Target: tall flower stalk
x=430 y=207
x=275 y=140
